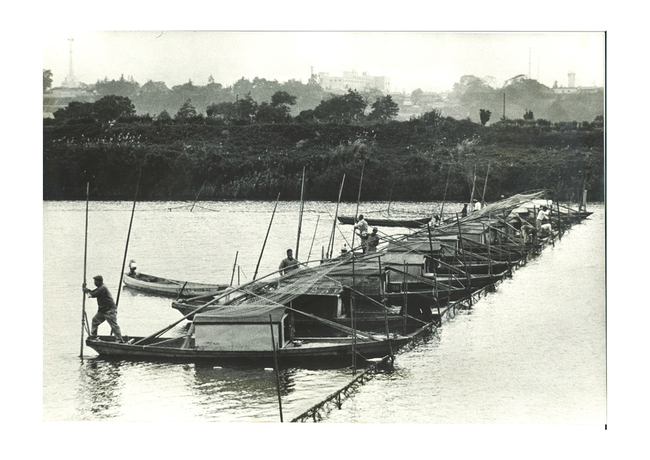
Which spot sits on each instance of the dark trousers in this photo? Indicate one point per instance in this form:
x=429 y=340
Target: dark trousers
x=110 y=317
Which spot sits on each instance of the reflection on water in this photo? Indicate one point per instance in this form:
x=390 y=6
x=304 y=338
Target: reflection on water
x=511 y=352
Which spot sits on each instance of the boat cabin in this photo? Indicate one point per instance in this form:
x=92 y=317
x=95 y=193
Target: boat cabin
x=242 y=328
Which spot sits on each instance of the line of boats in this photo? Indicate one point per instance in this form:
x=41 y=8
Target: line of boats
x=362 y=305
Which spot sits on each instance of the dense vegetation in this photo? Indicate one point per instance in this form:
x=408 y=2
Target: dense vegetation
x=228 y=157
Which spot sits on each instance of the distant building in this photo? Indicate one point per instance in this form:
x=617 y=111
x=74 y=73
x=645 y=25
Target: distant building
x=59 y=98
x=71 y=90
x=573 y=89
x=353 y=80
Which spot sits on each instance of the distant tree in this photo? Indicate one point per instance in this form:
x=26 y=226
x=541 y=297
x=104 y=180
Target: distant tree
x=346 y=108
x=122 y=87
x=164 y=117
x=485 y=116
x=186 y=111
x=246 y=108
x=282 y=97
x=113 y=107
x=222 y=109
x=47 y=80
x=416 y=96
x=431 y=118
x=76 y=110
x=383 y=109
x=268 y=113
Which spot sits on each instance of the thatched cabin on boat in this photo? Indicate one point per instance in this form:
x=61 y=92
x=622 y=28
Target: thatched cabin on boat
x=242 y=328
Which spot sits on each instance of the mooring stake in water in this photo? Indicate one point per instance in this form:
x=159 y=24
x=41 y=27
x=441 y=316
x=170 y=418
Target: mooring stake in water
x=275 y=363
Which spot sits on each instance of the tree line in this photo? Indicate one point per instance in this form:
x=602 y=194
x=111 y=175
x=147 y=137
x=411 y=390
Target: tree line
x=351 y=107
x=229 y=159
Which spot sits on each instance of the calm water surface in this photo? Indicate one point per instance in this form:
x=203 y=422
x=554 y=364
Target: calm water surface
x=532 y=352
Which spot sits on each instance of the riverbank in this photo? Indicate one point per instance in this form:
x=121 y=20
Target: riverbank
x=417 y=160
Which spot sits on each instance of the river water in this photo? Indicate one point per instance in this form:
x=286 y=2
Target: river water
x=531 y=352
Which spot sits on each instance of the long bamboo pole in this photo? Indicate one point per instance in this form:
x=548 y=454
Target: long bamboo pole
x=128 y=236
x=485 y=184
x=330 y=245
x=275 y=364
x=266 y=237
x=83 y=302
x=312 y=239
x=356 y=213
x=234 y=266
x=302 y=204
x=444 y=197
x=460 y=233
x=471 y=198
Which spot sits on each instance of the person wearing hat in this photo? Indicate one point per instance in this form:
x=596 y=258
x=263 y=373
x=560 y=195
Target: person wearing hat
x=477 y=205
x=373 y=240
x=106 y=311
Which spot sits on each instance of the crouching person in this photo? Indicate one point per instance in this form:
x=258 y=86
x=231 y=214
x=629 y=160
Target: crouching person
x=106 y=309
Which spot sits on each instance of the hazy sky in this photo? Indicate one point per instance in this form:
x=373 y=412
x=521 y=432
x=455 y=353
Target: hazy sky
x=432 y=61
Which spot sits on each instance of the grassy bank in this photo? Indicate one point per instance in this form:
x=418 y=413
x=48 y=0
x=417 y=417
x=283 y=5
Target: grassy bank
x=408 y=160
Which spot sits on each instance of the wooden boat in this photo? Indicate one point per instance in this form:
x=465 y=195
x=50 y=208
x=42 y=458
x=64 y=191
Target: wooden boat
x=232 y=335
x=406 y=223
x=167 y=287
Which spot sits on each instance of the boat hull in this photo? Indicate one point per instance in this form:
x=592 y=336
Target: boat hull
x=171 y=288
x=312 y=352
x=406 y=223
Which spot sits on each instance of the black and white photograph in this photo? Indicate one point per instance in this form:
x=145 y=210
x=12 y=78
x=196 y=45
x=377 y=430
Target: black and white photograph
x=345 y=228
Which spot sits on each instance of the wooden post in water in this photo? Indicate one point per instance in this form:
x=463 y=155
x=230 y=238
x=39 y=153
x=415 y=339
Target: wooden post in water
x=382 y=292
x=275 y=363
x=197 y=196
x=266 y=237
x=405 y=297
x=488 y=245
x=354 y=334
x=128 y=235
x=559 y=222
x=234 y=266
x=83 y=301
x=330 y=246
x=302 y=204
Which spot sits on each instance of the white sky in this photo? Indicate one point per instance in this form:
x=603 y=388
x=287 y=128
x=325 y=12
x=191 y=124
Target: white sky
x=432 y=61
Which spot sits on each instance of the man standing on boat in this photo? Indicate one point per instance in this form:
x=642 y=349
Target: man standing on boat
x=289 y=264
x=542 y=216
x=362 y=227
x=106 y=311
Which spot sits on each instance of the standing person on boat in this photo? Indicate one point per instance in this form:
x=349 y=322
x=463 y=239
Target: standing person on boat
x=362 y=228
x=289 y=264
x=106 y=311
x=542 y=216
x=361 y=225
x=477 y=205
x=373 y=240
x=463 y=213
